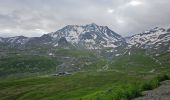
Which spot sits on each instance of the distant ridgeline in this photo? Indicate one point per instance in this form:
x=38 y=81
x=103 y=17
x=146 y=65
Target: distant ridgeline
x=84 y=48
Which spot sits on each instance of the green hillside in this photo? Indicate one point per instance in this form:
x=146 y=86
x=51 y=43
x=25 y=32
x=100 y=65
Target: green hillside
x=98 y=78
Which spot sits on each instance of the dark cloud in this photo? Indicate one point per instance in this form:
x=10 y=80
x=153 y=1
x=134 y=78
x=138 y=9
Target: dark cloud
x=36 y=17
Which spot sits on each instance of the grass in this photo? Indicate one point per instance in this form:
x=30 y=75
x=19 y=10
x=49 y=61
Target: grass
x=126 y=77
x=139 y=62
x=25 y=64
x=74 y=52
x=79 y=86
x=126 y=91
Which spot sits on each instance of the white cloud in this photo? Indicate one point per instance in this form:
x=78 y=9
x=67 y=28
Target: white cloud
x=120 y=21
x=135 y=3
x=109 y=10
x=36 y=17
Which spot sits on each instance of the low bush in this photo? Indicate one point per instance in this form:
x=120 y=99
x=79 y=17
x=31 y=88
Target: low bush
x=126 y=91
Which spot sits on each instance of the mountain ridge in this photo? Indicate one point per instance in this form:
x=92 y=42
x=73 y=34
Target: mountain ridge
x=90 y=36
x=93 y=36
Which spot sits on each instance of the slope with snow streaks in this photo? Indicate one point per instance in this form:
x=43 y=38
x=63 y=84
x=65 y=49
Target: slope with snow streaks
x=14 y=41
x=90 y=36
x=156 y=40
x=150 y=38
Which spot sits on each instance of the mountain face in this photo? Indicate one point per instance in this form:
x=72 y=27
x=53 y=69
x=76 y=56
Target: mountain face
x=84 y=47
x=155 y=40
x=89 y=36
x=15 y=40
x=92 y=36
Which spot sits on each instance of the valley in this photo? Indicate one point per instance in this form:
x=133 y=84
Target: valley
x=102 y=65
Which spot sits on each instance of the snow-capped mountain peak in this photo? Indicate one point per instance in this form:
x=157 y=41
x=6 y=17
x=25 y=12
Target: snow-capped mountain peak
x=90 y=36
x=15 y=40
x=156 y=39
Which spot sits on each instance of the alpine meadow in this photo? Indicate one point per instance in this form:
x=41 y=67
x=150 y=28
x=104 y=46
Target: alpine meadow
x=84 y=50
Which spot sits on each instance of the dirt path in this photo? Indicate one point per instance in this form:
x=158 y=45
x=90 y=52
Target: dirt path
x=160 y=93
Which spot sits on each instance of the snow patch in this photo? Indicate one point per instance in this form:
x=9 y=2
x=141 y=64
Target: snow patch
x=50 y=54
x=117 y=55
x=56 y=45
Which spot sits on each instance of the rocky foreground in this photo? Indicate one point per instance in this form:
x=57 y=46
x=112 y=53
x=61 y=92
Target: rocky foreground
x=160 y=93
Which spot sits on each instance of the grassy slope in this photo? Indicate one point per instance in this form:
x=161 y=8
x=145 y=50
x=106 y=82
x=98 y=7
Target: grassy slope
x=87 y=86
x=21 y=64
x=135 y=62
x=133 y=76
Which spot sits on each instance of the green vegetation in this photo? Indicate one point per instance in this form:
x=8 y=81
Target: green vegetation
x=25 y=64
x=137 y=62
x=121 y=78
x=73 y=52
x=126 y=91
x=80 y=86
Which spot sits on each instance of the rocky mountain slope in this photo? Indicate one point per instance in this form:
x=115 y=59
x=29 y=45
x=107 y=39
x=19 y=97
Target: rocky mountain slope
x=85 y=47
x=89 y=36
x=156 y=40
x=93 y=37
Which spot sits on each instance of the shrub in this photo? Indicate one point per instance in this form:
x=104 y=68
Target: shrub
x=163 y=77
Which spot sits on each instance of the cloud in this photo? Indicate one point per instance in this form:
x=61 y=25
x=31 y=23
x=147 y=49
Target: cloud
x=110 y=10
x=36 y=17
x=135 y=3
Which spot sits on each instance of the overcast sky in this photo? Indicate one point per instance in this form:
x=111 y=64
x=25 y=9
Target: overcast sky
x=126 y=17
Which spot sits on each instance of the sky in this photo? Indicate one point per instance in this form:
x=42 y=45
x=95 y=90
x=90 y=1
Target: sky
x=126 y=17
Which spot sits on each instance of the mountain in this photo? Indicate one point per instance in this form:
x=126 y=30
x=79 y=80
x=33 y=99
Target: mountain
x=89 y=36
x=155 y=41
x=15 y=40
x=84 y=48
x=92 y=37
